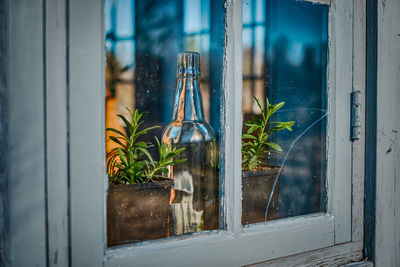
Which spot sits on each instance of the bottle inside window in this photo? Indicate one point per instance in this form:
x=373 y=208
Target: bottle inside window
x=194 y=194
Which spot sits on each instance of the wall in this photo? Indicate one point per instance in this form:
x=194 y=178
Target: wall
x=33 y=133
x=26 y=134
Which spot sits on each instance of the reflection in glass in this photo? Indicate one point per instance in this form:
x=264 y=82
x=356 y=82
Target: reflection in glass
x=143 y=39
x=194 y=196
x=285 y=57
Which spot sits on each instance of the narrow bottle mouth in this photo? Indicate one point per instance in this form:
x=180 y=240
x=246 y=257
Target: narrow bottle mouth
x=188 y=65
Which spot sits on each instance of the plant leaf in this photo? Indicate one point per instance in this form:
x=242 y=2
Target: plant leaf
x=127 y=123
x=122 y=157
x=248 y=136
x=113 y=138
x=258 y=103
x=180 y=161
x=116 y=131
x=141 y=144
x=277 y=106
x=146 y=153
x=274 y=146
x=144 y=131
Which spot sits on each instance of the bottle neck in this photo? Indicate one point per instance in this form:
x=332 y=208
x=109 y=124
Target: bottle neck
x=188 y=105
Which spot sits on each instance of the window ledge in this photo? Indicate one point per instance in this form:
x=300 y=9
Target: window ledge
x=338 y=255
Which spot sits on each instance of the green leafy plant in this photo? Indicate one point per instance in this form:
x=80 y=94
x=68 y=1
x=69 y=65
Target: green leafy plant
x=255 y=142
x=131 y=162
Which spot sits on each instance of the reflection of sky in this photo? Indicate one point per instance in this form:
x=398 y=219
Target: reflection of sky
x=298 y=25
x=119 y=18
x=107 y=15
x=302 y=24
x=258 y=11
x=125 y=23
x=196 y=16
x=293 y=35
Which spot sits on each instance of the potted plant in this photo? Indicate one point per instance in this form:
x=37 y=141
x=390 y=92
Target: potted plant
x=139 y=190
x=257 y=176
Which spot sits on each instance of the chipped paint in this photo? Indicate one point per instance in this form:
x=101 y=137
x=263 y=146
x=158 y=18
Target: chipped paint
x=322 y=2
x=4 y=200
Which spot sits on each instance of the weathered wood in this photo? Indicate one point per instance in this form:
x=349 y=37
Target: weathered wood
x=331 y=256
x=263 y=242
x=244 y=246
x=387 y=222
x=232 y=120
x=370 y=128
x=256 y=242
x=87 y=132
x=342 y=254
x=26 y=135
x=4 y=203
x=364 y=263
x=358 y=146
x=339 y=145
x=56 y=135
x=323 y=2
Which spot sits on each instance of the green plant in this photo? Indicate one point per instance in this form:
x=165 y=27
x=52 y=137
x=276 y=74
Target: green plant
x=255 y=142
x=131 y=162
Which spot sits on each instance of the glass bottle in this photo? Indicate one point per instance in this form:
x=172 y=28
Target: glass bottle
x=194 y=195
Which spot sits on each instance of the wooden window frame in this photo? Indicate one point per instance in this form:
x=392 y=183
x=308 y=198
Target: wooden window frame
x=326 y=236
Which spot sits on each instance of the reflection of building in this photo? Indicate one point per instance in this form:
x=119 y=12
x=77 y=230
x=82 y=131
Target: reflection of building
x=186 y=218
x=284 y=59
x=146 y=36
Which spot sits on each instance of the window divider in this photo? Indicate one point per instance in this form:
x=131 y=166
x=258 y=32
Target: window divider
x=232 y=125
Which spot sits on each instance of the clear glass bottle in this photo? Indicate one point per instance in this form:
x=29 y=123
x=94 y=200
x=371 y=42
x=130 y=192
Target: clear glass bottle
x=195 y=193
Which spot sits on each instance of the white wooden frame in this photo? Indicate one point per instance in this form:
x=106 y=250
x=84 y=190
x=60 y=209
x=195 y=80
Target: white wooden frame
x=27 y=156
x=234 y=246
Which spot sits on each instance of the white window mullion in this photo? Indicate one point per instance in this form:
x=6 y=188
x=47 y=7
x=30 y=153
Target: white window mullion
x=86 y=95
x=233 y=116
x=340 y=75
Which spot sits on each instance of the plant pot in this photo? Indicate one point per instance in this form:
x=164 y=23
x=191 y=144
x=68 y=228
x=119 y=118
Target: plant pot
x=138 y=212
x=112 y=121
x=256 y=190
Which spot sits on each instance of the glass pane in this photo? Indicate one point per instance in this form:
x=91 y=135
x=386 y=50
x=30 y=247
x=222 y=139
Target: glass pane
x=259 y=11
x=246 y=12
x=247 y=52
x=124 y=18
x=247 y=95
x=162 y=164
x=259 y=47
x=284 y=154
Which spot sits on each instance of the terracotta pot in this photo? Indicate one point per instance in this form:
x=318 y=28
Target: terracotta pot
x=138 y=212
x=112 y=121
x=256 y=190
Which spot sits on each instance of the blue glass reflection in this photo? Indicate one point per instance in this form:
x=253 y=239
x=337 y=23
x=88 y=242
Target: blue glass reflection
x=293 y=70
x=143 y=39
x=146 y=35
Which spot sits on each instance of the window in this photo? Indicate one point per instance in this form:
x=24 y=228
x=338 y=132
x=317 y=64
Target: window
x=245 y=245
x=141 y=75
x=285 y=60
